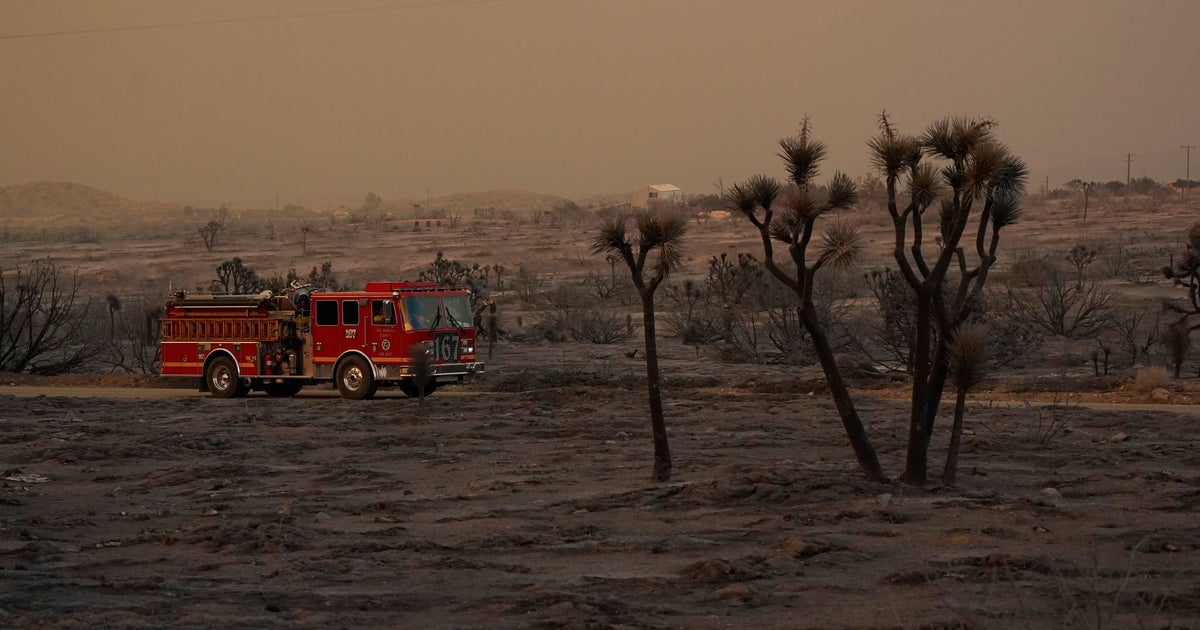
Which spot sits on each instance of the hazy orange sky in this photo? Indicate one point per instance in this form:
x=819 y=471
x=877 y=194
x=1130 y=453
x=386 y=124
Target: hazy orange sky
x=325 y=100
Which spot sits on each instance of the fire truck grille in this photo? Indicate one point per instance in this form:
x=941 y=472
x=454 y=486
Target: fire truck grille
x=445 y=348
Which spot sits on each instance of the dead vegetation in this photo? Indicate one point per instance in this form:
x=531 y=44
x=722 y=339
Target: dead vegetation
x=524 y=500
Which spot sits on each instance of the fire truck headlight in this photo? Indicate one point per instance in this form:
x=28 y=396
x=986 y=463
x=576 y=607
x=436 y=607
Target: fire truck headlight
x=466 y=346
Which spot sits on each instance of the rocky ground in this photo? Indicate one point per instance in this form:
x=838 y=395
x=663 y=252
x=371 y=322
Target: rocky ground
x=524 y=500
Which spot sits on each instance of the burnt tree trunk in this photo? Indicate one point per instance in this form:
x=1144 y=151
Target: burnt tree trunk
x=955 y=439
x=658 y=423
x=864 y=451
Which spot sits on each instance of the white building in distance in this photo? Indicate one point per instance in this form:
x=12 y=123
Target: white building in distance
x=663 y=193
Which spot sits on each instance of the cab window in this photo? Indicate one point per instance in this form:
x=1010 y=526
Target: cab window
x=383 y=313
x=327 y=313
x=350 y=313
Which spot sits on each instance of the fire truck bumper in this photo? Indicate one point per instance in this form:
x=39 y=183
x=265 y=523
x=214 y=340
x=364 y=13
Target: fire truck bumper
x=458 y=369
x=446 y=371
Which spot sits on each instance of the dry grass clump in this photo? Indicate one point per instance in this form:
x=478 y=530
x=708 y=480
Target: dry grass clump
x=1151 y=377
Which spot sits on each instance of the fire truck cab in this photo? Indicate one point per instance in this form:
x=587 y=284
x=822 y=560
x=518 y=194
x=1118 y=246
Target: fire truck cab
x=358 y=340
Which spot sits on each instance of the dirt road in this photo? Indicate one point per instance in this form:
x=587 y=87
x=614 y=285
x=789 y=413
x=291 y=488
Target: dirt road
x=159 y=393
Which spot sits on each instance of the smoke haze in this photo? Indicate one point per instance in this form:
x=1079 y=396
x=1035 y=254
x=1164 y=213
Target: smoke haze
x=322 y=100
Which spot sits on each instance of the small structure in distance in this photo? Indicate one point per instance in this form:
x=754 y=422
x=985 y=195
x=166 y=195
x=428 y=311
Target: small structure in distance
x=656 y=193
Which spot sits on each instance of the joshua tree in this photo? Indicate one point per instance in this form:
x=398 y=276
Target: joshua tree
x=651 y=255
x=788 y=215
x=1086 y=189
x=1177 y=341
x=235 y=277
x=1080 y=257
x=499 y=269
x=114 y=305
x=305 y=228
x=968 y=352
x=1186 y=274
x=209 y=233
x=422 y=371
x=974 y=178
x=974 y=171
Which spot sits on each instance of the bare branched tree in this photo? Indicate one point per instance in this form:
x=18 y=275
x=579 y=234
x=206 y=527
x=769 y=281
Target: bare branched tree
x=1060 y=307
x=134 y=347
x=42 y=320
x=651 y=255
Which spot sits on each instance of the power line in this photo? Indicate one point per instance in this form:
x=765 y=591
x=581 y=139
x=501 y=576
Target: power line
x=257 y=18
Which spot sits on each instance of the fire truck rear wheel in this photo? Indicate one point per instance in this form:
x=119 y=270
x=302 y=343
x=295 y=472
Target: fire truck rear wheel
x=355 y=379
x=222 y=379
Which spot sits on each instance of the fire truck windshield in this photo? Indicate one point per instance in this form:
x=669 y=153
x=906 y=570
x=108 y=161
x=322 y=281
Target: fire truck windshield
x=424 y=312
x=458 y=311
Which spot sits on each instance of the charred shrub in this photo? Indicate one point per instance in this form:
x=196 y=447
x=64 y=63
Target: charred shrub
x=892 y=325
x=1060 y=306
x=572 y=311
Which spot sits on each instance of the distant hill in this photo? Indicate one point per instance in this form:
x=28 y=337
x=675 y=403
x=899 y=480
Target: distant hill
x=518 y=202
x=55 y=200
x=65 y=199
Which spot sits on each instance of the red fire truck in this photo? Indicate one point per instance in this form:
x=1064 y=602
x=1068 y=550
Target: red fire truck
x=360 y=340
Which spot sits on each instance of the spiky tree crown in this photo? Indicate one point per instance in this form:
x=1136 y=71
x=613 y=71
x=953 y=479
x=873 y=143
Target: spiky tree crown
x=968 y=355
x=656 y=231
x=802 y=156
x=841 y=244
x=662 y=232
x=892 y=152
x=954 y=138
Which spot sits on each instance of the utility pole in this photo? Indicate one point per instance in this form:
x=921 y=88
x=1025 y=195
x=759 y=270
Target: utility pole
x=1128 y=161
x=1188 y=178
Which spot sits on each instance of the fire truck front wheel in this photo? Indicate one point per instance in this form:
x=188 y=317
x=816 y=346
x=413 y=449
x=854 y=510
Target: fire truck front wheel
x=221 y=376
x=355 y=380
